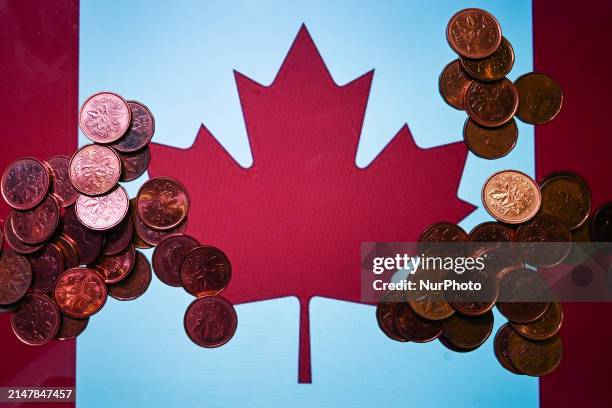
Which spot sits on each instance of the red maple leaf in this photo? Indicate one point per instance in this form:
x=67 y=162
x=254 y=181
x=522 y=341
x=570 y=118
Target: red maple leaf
x=293 y=222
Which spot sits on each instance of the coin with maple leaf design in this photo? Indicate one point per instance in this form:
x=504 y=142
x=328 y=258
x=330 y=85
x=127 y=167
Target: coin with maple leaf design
x=70 y=327
x=511 y=196
x=104 y=212
x=210 y=321
x=385 y=315
x=115 y=268
x=162 y=203
x=413 y=327
x=88 y=242
x=490 y=143
x=37 y=320
x=517 y=291
x=136 y=283
x=104 y=117
x=38 y=224
x=205 y=271
x=491 y=104
x=80 y=292
x=545 y=327
x=140 y=132
x=468 y=332
x=489 y=235
x=95 y=169
x=133 y=165
x=15 y=277
x=146 y=237
x=494 y=67
x=47 y=265
x=453 y=84
x=118 y=238
x=540 y=98
x=62 y=188
x=15 y=243
x=473 y=33
x=566 y=196
x=25 y=183
x=535 y=358
x=544 y=241
x=500 y=347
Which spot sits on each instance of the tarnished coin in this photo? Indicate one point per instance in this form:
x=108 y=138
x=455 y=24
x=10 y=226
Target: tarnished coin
x=118 y=238
x=491 y=104
x=62 y=187
x=535 y=358
x=545 y=327
x=210 y=321
x=540 y=98
x=443 y=238
x=146 y=237
x=103 y=212
x=385 y=315
x=511 y=197
x=430 y=304
x=453 y=84
x=25 y=183
x=115 y=268
x=413 y=327
x=162 y=203
x=494 y=67
x=80 y=292
x=490 y=235
x=136 y=283
x=500 y=347
x=95 y=169
x=47 y=265
x=470 y=303
x=468 y=332
x=38 y=224
x=516 y=288
x=14 y=242
x=566 y=196
x=140 y=131
x=71 y=327
x=205 y=271
x=490 y=143
x=104 y=117
x=15 y=277
x=37 y=320
x=88 y=242
x=133 y=165
x=473 y=33
x=168 y=257
x=601 y=224
x=544 y=241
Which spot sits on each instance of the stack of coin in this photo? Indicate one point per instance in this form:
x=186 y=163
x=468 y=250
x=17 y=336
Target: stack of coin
x=69 y=235
x=204 y=272
x=477 y=83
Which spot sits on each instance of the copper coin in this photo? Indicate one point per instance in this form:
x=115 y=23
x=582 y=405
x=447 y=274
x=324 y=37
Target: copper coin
x=103 y=212
x=168 y=257
x=205 y=271
x=474 y=304
x=47 y=265
x=453 y=84
x=490 y=235
x=140 y=131
x=62 y=187
x=540 y=98
x=511 y=197
x=80 y=292
x=451 y=346
x=385 y=315
x=468 y=332
x=118 y=238
x=15 y=277
x=210 y=321
x=566 y=196
x=430 y=304
x=490 y=143
x=104 y=117
x=69 y=251
x=545 y=327
x=95 y=169
x=412 y=327
x=134 y=165
x=25 y=183
x=38 y=224
x=544 y=241
x=1 y=238
x=601 y=224
x=162 y=203
x=115 y=268
x=535 y=358
x=473 y=33
x=89 y=242
x=146 y=237
x=138 y=242
x=500 y=347
x=516 y=286
x=136 y=283
x=14 y=242
x=491 y=104
x=70 y=327
x=494 y=67
x=37 y=320
x=500 y=261
x=442 y=237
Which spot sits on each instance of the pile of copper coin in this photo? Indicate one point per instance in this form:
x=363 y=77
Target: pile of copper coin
x=476 y=82
x=555 y=211
x=72 y=233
